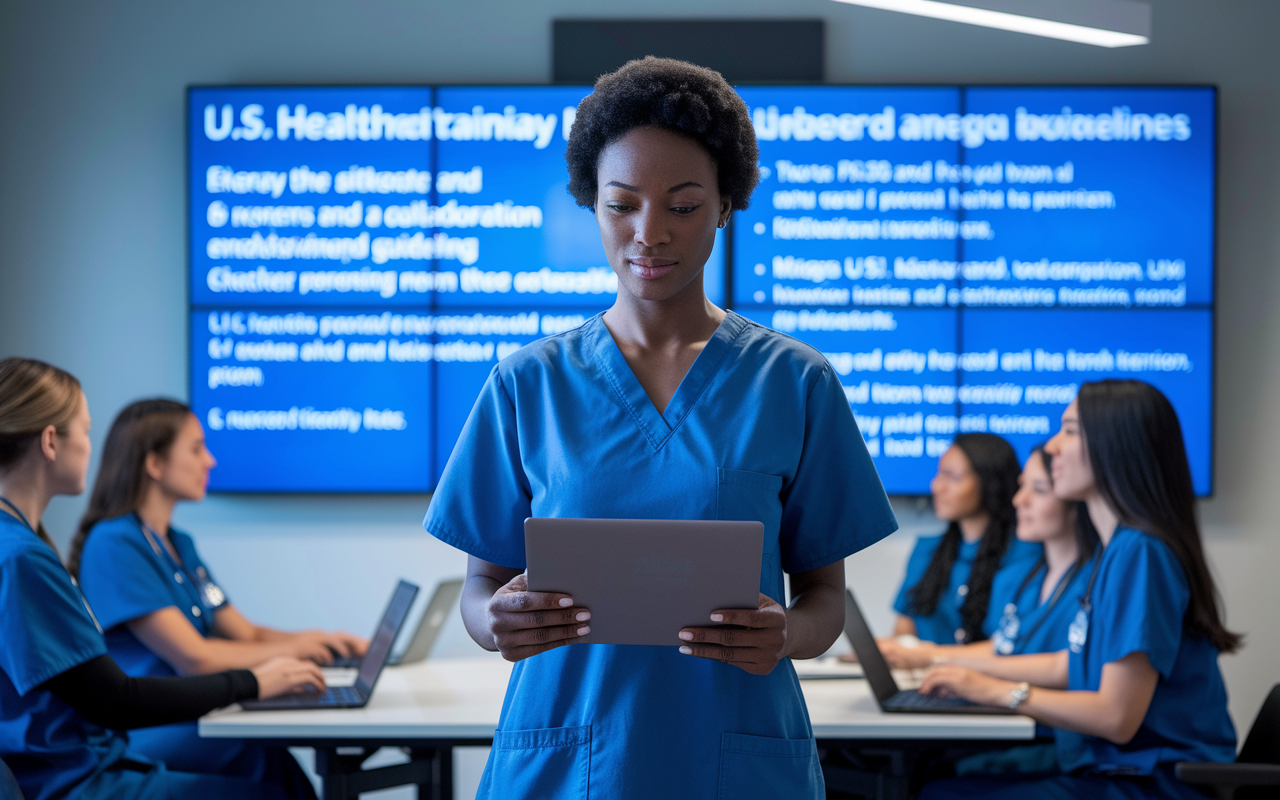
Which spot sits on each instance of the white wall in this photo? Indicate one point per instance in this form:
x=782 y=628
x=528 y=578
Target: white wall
x=92 y=238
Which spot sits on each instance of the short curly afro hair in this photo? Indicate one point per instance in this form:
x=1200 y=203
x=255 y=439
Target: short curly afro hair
x=673 y=95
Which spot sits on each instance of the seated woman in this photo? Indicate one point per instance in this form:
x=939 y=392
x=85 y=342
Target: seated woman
x=63 y=700
x=1138 y=687
x=1031 y=611
x=947 y=590
x=162 y=611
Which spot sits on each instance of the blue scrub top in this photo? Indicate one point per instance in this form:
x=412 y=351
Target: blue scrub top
x=125 y=577
x=45 y=630
x=945 y=625
x=1137 y=606
x=759 y=429
x=1019 y=623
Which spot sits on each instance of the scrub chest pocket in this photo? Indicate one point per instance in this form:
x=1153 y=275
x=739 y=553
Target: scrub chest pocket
x=547 y=763
x=753 y=496
x=766 y=768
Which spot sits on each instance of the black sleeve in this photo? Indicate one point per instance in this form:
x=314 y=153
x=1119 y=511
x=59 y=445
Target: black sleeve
x=100 y=692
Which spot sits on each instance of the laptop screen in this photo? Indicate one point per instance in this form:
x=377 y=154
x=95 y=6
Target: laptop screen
x=380 y=646
x=864 y=644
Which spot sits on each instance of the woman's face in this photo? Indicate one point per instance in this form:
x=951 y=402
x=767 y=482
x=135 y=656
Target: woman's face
x=184 y=472
x=1072 y=474
x=73 y=448
x=658 y=204
x=1041 y=515
x=957 y=493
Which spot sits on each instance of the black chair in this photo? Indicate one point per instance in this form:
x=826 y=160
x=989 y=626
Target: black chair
x=9 y=789
x=1257 y=765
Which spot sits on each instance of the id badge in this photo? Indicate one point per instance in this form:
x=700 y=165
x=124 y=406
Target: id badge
x=1078 y=633
x=209 y=591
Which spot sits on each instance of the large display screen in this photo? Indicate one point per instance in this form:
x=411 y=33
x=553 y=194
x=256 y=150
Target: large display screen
x=964 y=257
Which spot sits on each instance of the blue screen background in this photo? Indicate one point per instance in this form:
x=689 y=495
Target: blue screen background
x=964 y=256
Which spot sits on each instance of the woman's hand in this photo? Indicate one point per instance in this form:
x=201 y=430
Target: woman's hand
x=900 y=656
x=285 y=675
x=949 y=680
x=323 y=646
x=756 y=642
x=525 y=623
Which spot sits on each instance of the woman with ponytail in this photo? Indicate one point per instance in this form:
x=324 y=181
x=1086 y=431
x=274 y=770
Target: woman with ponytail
x=63 y=701
x=947 y=589
x=157 y=600
x=1138 y=687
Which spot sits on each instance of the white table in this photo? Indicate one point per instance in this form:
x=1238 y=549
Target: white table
x=436 y=705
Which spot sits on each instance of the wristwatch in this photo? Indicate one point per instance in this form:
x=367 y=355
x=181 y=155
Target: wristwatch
x=1019 y=694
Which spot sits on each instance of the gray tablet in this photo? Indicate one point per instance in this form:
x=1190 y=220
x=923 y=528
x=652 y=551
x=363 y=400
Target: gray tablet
x=645 y=579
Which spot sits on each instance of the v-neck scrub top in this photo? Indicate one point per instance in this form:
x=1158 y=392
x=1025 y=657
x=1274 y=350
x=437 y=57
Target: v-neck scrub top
x=1017 y=619
x=759 y=429
x=124 y=579
x=1137 y=605
x=946 y=625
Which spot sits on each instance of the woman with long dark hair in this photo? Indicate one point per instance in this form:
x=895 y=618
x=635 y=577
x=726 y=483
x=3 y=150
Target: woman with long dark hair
x=1138 y=687
x=1031 y=609
x=63 y=700
x=947 y=589
x=162 y=610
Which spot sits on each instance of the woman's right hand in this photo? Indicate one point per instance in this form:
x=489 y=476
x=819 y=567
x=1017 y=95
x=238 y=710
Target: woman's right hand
x=900 y=656
x=286 y=675
x=525 y=623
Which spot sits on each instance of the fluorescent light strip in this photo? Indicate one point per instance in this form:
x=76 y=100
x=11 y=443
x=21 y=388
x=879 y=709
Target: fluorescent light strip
x=1005 y=21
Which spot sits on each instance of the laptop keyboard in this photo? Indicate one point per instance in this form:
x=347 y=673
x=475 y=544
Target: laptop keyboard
x=335 y=696
x=913 y=699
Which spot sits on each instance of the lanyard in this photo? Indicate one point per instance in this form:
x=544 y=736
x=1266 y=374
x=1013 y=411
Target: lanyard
x=207 y=593
x=1058 y=591
x=1085 y=603
x=19 y=513
x=74 y=582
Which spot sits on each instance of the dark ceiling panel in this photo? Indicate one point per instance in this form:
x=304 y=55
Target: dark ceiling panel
x=744 y=51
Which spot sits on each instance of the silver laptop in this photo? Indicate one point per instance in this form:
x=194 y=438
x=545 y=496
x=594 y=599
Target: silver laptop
x=645 y=579
x=424 y=637
x=884 y=687
x=430 y=623
x=357 y=695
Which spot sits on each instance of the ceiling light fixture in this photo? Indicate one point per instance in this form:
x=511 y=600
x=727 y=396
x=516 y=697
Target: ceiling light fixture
x=1105 y=23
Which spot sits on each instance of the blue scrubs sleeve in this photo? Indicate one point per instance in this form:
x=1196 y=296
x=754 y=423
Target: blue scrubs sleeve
x=835 y=505
x=483 y=497
x=1144 y=615
x=45 y=628
x=120 y=574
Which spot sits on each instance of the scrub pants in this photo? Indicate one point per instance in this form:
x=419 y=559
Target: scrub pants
x=1160 y=785
x=180 y=748
x=130 y=780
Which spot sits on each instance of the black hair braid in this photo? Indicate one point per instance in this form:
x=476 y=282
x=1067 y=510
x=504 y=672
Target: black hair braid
x=995 y=464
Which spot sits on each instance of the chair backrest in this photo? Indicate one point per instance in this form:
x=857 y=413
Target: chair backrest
x=1263 y=743
x=9 y=789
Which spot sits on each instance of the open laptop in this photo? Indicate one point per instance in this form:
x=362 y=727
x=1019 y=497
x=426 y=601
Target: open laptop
x=424 y=637
x=884 y=687
x=356 y=695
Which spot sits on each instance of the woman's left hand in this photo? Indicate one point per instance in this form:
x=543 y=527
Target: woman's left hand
x=756 y=643
x=949 y=680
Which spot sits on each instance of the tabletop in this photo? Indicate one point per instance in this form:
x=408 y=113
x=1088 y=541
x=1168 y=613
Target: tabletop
x=461 y=699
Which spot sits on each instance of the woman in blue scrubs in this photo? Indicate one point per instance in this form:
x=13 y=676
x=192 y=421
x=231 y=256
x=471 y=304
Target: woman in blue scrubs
x=63 y=701
x=663 y=407
x=1031 y=608
x=162 y=610
x=945 y=596
x=1138 y=688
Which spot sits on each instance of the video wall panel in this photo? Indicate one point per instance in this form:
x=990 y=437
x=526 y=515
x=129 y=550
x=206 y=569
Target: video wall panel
x=361 y=257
